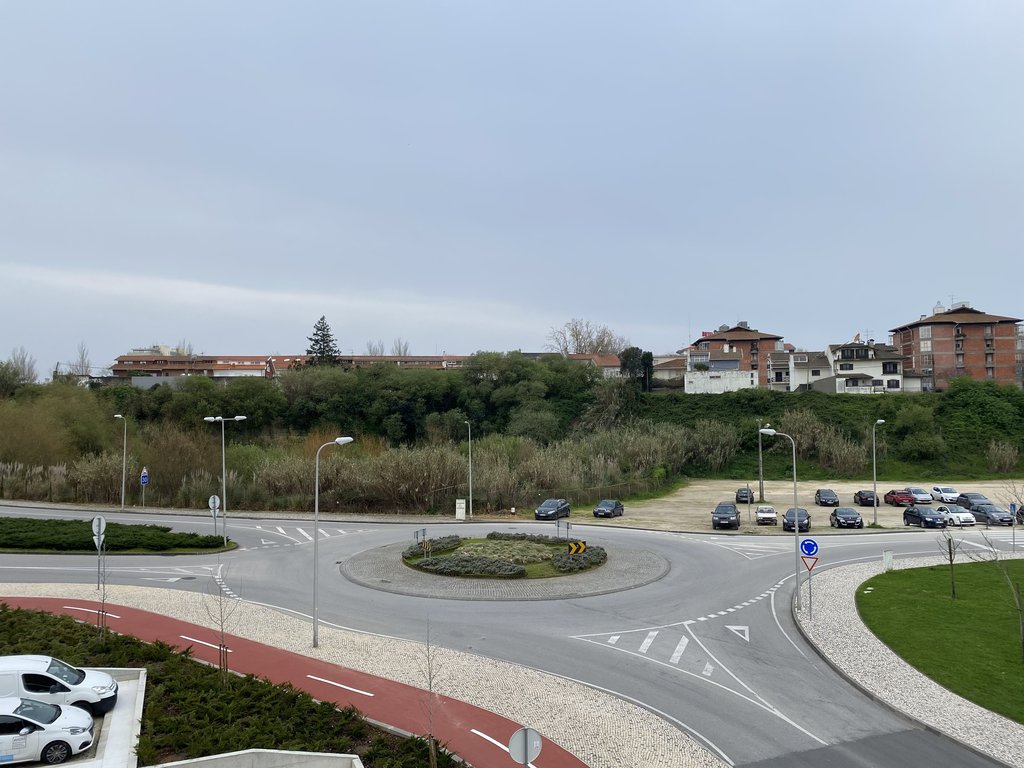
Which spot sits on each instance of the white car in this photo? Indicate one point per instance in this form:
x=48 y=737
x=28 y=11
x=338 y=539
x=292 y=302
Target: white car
x=35 y=730
x=955 y=515
x=947 y=494
x=921 y=496
x=766 y=515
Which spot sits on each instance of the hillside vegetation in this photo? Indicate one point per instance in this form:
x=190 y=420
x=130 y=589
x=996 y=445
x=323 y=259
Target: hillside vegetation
x=548 y=427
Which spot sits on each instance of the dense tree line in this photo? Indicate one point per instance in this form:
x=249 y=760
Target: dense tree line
x=548 y=426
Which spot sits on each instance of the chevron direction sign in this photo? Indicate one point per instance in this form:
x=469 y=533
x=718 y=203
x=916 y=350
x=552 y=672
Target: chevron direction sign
x=577 y=547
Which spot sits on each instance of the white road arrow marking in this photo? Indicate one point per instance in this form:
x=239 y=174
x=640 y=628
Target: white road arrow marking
x=265 y=542
x=743 y=632
x=678 y=653
x=613 y=639
x=708 y=669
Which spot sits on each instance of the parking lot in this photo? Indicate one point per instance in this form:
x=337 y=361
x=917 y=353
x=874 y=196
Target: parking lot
x=689 y=508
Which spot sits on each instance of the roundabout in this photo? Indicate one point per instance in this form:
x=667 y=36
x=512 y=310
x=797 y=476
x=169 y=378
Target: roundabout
x=382 y=568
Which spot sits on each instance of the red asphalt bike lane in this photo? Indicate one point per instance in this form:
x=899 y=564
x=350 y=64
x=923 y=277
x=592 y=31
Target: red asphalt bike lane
x=476 y=735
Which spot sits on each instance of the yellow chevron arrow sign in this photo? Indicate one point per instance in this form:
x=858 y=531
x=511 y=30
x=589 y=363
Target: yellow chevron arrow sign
x=577 y=547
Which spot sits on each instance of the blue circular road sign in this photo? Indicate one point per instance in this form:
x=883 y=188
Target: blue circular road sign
x=809 y=547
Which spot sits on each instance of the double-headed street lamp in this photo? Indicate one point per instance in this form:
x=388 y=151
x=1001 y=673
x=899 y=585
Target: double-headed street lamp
x=124 y=456
x=223 y=474
x=874 y=473
x=316 y=528
x=796 y=512
x=470 y=428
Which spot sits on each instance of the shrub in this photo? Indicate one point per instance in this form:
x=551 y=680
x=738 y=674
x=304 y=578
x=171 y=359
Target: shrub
x=472 y=565
x=1002 y=456
x=538 y=537
x=441 y=544
x=589 y=558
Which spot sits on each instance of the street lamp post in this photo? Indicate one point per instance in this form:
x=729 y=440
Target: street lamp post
x=223 y=474
x=470 y=428
x=124 y=456
x=874 y=474
x=316 y=529
x=760 y=463
x=796 y=512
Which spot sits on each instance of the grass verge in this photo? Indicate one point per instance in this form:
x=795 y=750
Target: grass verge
x=970 y=645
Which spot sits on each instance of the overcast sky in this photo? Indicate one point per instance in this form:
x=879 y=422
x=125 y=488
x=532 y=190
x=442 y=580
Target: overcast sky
x=469 y=174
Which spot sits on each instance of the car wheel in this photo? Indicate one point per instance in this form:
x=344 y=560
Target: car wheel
x=714 y=525
x=55 y=753
x=905 y=520
x=860 y=524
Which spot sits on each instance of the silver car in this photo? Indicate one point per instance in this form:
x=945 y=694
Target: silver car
x=921 y=496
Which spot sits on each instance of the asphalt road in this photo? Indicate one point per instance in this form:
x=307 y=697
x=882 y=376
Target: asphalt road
x=711 y=647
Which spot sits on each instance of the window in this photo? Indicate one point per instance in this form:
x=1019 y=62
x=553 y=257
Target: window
x=890 y=367
x=876 y=382
x=846 y=366
x=960 y=360
x=778 y=376
x=892 y=384
x=989 y=344
x=815 y=372
x=926 y=332
x=988 y=330
x=958 y=345
x=928 y=361
x=926 y=346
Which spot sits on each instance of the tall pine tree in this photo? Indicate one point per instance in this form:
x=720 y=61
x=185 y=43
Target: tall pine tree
x=323 y=349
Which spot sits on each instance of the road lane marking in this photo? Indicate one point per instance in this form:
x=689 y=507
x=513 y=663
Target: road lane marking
x=339 y=685
x=303 y=532
x=495 y=742
x=613 y=639
x=743 y=632
x=89 y=610
x=203 y=642
x=678 y=652
x=647 y=641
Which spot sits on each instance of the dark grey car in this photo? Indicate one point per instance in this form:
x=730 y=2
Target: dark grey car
x=990 y=514
x=845 y=517
x=725 y=516
x=552 y=509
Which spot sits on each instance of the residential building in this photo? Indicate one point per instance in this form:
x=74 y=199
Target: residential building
x=748 y=346
x=962 y=341
x=170 y=363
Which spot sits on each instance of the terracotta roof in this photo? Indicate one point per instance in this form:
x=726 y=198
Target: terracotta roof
x=959 y=316
x=737 y=333
x=675 y=362
x=601 y=361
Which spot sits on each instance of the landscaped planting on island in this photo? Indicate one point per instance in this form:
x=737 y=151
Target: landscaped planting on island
x=501 y=556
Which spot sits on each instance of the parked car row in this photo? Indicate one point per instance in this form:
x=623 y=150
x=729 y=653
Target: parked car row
x=552 y=509
x=47 y=706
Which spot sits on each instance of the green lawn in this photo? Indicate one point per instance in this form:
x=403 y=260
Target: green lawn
x=970 y=645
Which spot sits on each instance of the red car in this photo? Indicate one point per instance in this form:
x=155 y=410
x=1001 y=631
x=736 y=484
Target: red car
x=899 y=497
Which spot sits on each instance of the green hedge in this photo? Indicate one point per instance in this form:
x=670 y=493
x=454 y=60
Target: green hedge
x=440 y=544
x=589 y=558
x=76 y=536
x=471 y=565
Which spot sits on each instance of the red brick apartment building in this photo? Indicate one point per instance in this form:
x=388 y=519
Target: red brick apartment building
x=962 y=342
x=751 y=345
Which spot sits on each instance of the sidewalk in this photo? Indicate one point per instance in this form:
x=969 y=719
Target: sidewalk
x=479 y=702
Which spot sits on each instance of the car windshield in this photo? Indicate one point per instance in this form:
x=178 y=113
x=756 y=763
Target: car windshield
x=65 y=672
x=946 y=489
x=846 y=512
x=803 y=513
x=37 y=711
x=919 y=491
x=606 y=503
